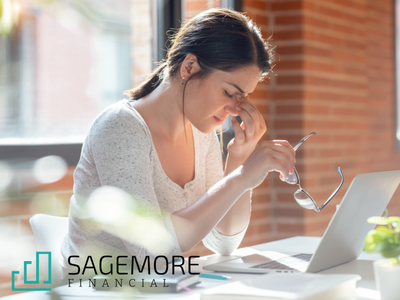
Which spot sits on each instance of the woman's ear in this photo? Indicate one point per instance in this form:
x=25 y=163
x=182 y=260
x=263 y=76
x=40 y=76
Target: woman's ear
x=189 y=66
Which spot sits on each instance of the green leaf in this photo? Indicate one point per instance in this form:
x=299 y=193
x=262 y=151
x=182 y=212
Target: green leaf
x=384 y=229
x=391 y=251
x=376 y=241
x=379 y=220
x=1 y=8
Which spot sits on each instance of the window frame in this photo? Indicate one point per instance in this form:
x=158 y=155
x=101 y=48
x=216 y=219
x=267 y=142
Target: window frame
x=71 y=152
x=170 y=11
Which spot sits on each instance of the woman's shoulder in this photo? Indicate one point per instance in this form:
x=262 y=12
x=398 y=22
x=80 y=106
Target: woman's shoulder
x=120 y=117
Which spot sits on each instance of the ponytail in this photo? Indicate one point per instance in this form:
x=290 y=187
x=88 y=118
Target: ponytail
x=149 y=85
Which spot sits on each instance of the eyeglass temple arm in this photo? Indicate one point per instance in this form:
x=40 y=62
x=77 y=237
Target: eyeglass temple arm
x=335 y=191
x=303 y=140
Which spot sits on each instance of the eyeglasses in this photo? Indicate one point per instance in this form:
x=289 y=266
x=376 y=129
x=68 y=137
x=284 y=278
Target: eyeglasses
x=301 y=196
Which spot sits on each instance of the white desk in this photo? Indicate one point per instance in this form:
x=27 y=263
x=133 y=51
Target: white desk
x=366 y=289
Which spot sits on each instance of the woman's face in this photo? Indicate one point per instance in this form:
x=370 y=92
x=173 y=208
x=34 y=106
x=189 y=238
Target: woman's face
x=209 y=101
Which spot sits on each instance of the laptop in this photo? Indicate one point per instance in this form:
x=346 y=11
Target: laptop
x=343 y=240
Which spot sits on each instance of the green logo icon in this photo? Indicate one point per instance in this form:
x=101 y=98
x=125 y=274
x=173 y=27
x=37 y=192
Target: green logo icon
x=26 y=281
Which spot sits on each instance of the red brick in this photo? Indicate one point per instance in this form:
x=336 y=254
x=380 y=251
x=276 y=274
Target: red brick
x=319 y=23
x=259 y=94
x=289 y=50
x=289 y=213
x=263 y=228
x=287 y=94
x=264 y=109
x=316 y=110
x=316 y=51
x=288 y=124
x=15 y=207
x=261 y=5
x=196 y=5
x=289 y=109
x=65 y=183
x=349 y=4
x=259 y=214
x=285 y=6
x=295 y=229
x=288 y=65
x=290 y=79
x=260 y=20
x=288 y=35
x=288 y=20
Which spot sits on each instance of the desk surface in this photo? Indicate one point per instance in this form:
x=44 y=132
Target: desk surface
x=366 y=289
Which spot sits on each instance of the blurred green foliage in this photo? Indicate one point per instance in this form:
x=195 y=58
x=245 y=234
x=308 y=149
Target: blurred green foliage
x=384 y=239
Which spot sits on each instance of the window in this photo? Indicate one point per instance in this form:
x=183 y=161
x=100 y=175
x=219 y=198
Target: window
x=59 y=68
x=63 y=63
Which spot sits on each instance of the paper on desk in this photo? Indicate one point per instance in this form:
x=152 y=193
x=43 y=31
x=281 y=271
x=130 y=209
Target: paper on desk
x=85 y=292
x=287 y=286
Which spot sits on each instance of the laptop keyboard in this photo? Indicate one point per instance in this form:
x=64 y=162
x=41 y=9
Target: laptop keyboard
x=297 y=262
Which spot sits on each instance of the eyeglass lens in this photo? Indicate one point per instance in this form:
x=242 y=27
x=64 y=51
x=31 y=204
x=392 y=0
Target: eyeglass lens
x=303 y=200
x=301 y=196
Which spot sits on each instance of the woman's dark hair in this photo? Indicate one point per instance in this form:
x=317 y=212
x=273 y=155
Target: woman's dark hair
x=221 y=39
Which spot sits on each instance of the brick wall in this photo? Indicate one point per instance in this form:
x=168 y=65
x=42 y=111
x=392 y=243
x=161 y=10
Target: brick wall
x=334 y=75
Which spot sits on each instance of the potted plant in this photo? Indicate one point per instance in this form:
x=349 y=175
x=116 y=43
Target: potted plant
x=385 y=239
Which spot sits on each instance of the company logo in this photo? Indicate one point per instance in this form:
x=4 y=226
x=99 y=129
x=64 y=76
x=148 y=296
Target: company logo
x=26 y=281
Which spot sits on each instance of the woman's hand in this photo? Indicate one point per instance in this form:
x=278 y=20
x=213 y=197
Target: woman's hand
x=258 y=158
x=275 y=155
x=248 y=133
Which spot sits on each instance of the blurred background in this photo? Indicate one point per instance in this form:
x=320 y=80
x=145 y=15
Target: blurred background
x=63 y=61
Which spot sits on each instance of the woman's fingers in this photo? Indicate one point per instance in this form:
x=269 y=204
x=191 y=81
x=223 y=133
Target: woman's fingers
x=248 y=123
x=259 y=126
x=287 y=146
x=285 y=154
x=263 y=125
x=267 y=157
x=239 y=134
x=284 y=163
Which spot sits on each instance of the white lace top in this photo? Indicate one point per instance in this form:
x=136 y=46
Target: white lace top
x=118 y=151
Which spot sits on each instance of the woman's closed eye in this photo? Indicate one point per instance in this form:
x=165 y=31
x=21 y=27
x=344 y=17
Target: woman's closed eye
x=230 y=96
x=235 y=95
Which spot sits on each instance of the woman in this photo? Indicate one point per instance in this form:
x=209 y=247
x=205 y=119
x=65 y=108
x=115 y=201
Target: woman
x=160 y=146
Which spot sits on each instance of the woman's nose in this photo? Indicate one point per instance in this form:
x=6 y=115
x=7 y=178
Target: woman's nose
x=231 y=109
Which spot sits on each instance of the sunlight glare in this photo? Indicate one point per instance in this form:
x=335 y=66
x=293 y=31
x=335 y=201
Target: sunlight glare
x=116 y=212
x=109 y=205
x=49 y=169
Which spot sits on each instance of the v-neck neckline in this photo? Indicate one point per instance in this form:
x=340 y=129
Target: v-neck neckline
x=195 y=147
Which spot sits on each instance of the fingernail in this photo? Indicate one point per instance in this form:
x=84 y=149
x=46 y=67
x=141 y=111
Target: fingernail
x=238 y=108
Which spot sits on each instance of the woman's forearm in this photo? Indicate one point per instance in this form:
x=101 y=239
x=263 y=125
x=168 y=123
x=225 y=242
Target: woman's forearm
x=194 y=222
x=238 y=216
